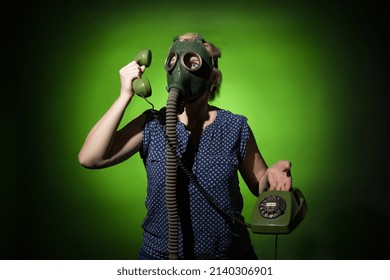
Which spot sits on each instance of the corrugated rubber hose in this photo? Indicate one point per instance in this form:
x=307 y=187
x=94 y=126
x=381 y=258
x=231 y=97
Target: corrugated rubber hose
x=170 y=181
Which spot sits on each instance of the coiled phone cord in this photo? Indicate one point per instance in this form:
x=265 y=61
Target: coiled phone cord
x=208 y=197
x=199 y=187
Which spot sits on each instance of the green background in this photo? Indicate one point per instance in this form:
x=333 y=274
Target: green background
x=309 y=77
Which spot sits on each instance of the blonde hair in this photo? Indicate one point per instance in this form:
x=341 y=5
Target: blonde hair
x=215 y=53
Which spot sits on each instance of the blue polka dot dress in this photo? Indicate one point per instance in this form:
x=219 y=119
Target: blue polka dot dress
x=204 y=233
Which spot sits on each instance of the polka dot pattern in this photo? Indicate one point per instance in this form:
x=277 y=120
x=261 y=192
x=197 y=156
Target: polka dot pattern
x=204 y=233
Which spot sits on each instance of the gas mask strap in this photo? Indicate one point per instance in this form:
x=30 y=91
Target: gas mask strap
x=214 y=62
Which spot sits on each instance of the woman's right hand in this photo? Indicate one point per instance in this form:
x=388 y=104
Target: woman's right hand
x=128 y=74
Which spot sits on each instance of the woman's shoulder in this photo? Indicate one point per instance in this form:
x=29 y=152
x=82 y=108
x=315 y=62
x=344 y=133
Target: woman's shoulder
x=227 y=115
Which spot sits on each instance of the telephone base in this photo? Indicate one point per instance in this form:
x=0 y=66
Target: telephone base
x=278 y=212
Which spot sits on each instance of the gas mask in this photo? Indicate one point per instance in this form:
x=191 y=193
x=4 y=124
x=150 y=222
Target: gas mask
x=188 y=67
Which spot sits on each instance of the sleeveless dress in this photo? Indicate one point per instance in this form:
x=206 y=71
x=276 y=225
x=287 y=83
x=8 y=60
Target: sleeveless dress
x=204 y=232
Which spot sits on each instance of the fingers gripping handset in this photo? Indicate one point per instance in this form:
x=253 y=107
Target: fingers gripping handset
x=142 y=86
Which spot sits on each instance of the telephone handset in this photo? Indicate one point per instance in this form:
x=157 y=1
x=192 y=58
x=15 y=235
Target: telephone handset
x=142 y=86
x=278 y=212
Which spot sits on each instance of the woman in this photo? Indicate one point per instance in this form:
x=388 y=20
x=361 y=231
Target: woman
x=214 y=144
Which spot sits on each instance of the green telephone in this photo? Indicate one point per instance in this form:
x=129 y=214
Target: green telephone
x=278 y=212
x=142 y=86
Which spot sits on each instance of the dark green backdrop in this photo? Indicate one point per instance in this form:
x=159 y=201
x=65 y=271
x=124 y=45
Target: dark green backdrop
x=309 y=77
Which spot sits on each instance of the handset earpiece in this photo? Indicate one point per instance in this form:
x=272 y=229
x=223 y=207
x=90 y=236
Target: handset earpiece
x=142 y=86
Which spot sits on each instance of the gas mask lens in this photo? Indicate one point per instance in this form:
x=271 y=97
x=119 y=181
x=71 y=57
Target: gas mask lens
x=170 y=61
x=191 y=61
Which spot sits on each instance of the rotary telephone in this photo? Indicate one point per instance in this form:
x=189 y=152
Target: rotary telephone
x=278 y=212
x=275 y=212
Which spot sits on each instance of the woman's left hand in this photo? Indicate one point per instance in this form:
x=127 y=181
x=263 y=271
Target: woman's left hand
x=279 y=176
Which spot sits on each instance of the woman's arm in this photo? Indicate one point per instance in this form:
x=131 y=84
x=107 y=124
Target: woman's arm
x=258 y=176
x=105 y=145
x=253 y=167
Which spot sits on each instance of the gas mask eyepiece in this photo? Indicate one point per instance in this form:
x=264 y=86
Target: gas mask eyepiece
x=191 y=61
x=170 y=61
